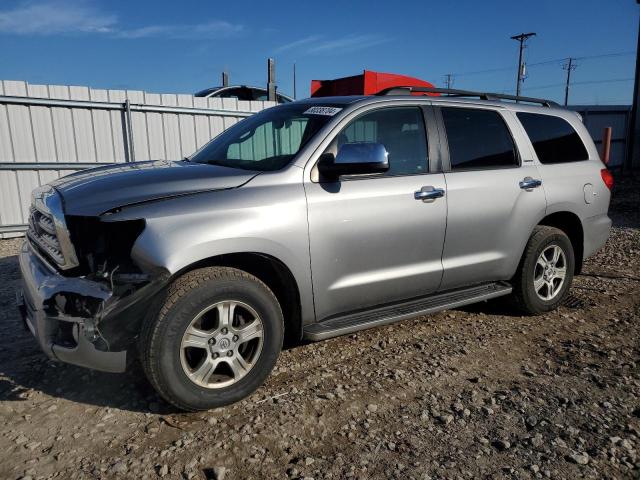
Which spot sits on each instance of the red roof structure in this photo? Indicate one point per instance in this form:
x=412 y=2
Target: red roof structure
x=369 y=83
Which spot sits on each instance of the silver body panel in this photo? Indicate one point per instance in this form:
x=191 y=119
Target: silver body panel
x=268 y=215
x=360 y=243
x=372 y=243
x=489 y=217
x=489 y=221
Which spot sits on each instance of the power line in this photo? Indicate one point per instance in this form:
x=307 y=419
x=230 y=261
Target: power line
x=586 y=57
x=545 y=62
x=585 y=82
x=619 y=54
x=613 y=80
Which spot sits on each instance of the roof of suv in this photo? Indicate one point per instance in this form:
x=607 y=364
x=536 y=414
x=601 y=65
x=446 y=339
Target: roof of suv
x=368 y=99
x=446 y=96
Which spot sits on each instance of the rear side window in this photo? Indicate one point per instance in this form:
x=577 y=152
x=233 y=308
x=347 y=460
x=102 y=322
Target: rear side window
x=553 y=138
x=478 y=139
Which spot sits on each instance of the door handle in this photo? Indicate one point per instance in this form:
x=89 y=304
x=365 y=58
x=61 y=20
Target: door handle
x=529 y=183
x=428 y=193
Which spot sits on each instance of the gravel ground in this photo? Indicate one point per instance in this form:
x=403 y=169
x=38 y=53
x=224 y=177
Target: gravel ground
x=470 y=393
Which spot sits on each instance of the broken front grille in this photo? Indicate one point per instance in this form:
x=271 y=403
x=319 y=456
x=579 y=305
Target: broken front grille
x=42 y=233
x=48 y=231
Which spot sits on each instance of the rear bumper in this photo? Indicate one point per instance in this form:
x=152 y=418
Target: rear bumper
x=596 y=232
x=70 y=339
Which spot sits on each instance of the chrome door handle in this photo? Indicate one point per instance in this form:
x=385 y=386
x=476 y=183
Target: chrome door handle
x=528 y=183
x=428 y=193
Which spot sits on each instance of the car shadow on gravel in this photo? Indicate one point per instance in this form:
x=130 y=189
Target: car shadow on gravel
x=129 y=391
x=503 y=307
x=498 y=306
x=25 y=370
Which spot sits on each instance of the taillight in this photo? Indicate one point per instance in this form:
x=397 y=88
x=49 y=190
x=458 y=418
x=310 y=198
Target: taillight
x=607 y=178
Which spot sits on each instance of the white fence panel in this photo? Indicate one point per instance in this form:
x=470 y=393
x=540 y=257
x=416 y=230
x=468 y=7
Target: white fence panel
x=47 y=131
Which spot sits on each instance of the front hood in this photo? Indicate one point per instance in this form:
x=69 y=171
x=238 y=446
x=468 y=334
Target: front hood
x=98 y=190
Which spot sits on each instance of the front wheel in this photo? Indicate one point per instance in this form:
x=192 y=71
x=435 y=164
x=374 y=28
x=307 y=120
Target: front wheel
x=216 y=339
x=545 y=272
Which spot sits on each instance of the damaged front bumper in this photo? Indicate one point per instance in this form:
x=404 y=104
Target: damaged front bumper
x=66 y=315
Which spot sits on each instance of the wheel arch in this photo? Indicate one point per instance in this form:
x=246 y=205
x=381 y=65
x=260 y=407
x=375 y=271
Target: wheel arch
x=571 y=225
x=272 y=272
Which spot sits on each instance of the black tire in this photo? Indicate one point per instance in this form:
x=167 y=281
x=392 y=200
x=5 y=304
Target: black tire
x=524 y=296
x=161 y=336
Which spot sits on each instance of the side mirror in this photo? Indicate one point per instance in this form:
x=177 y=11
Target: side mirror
x=354 y=159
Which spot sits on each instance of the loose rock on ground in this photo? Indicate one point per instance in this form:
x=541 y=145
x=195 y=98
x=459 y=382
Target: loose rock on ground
x=478 y=392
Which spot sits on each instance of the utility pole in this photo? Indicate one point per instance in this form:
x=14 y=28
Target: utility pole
x=633 y=155
x=294 y=81
x=522 y=38
x=569 y=66
x=448 y=80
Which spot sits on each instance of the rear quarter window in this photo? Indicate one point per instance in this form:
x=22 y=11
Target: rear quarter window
x=553 y=138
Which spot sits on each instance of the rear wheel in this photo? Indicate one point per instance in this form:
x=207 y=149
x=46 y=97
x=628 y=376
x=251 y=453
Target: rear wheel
x=545 y=272
x=216 y=339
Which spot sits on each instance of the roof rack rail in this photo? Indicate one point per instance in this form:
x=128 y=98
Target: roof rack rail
x=450 y=92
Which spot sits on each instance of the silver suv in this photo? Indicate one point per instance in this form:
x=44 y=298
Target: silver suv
x=310 y=220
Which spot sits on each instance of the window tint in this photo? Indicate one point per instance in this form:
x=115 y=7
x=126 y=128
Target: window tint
x=478 y=139
x=400 y=130
x=553 y=139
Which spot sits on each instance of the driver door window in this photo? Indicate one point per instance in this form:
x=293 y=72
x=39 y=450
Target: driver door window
x=401 y=130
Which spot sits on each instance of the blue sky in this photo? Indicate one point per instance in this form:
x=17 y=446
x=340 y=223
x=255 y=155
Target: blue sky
x=182 y=46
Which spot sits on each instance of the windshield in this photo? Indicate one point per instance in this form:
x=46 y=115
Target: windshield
x=268 y=140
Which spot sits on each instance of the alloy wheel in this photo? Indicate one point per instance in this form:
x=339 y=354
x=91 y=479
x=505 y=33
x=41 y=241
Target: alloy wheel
x=221 y=344
x=550 y=272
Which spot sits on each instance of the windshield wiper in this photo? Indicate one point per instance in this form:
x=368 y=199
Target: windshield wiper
x=217 y=162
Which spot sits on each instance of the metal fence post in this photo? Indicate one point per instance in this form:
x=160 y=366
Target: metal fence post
x=129 y=132
x=606 y=145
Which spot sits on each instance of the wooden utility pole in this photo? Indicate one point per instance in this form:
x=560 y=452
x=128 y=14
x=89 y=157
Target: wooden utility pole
x=522 y=38
x=569 y=66
x=448 y=80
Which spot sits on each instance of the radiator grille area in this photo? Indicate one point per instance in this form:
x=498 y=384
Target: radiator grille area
x=42 y=233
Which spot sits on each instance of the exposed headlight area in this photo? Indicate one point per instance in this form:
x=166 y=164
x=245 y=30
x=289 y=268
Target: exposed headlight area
x=82 y=246
x=104 y=249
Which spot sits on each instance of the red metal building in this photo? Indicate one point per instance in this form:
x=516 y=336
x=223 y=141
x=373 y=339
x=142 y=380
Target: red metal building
x=369 y=83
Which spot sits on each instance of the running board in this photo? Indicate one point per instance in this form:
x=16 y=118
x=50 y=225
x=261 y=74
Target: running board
x=345 y=324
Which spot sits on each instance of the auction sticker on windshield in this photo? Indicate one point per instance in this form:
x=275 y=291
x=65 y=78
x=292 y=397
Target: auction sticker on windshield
x=329 y=111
